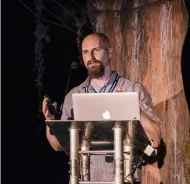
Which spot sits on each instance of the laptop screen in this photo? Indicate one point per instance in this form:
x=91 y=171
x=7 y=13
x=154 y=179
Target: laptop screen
x=106 y=106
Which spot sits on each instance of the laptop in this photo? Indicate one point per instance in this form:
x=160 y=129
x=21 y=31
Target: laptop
x=106 y=106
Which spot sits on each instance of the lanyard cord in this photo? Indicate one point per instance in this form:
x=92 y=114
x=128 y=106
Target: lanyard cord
x=114 y=84
x=110 y=90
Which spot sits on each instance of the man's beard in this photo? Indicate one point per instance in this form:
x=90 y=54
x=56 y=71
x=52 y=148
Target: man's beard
x=95 y=71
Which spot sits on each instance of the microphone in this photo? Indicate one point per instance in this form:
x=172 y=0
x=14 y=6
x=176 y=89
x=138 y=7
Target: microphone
x=74 y=65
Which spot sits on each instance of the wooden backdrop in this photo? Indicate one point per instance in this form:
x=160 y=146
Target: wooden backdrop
x=147 y=37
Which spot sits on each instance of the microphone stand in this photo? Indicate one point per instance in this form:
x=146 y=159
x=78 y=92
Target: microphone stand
x=74 y=65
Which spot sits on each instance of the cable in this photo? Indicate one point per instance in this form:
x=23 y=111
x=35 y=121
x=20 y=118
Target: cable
x=147 y=153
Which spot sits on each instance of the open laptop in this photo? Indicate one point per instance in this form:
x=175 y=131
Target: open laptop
x=106 y=106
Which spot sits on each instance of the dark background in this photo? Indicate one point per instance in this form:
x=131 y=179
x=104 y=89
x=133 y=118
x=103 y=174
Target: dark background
x=26 y=154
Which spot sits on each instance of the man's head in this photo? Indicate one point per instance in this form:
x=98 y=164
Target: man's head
x=96 y=53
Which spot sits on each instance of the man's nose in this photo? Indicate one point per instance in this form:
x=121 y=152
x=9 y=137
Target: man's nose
x=92 y=54
x=88 y=56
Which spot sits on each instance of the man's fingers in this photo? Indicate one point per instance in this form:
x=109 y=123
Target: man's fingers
x=45 y=108
x=118 y=89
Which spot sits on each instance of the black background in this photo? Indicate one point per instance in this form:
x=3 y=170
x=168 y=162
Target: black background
x=26 y=154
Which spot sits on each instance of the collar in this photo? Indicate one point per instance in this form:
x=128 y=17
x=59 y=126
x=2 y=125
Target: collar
x=112 y=78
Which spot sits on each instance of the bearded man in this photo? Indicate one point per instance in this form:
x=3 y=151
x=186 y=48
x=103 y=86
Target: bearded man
x=97 y=55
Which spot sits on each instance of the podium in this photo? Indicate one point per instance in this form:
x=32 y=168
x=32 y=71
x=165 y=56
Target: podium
x=80 y=139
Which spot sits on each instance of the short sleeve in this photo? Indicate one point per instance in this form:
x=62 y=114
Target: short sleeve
x=146 y=104
x=67 y=110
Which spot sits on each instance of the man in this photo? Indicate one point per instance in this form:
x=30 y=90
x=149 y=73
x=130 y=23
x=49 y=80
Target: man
x=97 y=54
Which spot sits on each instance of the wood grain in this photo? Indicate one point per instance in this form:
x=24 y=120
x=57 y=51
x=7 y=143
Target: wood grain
x=147 y=38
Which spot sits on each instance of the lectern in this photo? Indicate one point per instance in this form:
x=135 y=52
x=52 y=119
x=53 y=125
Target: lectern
x=120 y=140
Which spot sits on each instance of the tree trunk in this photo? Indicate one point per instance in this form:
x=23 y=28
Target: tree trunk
x=147 y=37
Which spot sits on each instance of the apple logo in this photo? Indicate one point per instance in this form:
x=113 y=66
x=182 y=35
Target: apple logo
x=106 y=115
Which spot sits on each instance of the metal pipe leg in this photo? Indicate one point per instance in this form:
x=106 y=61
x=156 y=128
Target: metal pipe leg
x=74 y=148
x=85 y=168
x=118 y=155
x=128 y=164
x=85 y=146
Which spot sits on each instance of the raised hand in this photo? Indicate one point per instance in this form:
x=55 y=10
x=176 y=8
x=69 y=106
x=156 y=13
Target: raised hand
x=46 y=111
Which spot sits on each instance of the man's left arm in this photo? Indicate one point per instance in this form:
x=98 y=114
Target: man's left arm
x=149 y=120
x=152 y=129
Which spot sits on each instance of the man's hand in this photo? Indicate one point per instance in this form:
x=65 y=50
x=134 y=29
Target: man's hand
x=119 y=89
x=48 y=116
x=45 y=109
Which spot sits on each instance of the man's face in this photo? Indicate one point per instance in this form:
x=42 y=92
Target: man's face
x=95 y=55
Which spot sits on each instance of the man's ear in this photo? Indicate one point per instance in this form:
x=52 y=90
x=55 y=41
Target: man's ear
x=110 y=52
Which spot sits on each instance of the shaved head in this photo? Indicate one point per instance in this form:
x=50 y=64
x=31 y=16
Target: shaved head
x=103 y=39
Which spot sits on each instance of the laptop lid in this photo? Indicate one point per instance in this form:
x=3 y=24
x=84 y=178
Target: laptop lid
x=106 y=106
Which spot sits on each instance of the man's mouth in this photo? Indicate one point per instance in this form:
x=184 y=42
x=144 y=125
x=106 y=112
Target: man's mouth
x=92 y=62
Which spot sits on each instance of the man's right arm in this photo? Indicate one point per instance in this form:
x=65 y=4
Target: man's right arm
x=48 y=116
x=53 y=140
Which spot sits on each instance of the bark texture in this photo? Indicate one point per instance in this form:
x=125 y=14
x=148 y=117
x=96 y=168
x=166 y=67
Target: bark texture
x=147 y=37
